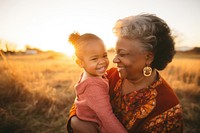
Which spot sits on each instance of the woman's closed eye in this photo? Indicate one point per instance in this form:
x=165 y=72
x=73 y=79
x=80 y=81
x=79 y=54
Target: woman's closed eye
x=122 y=54
x=94 y=59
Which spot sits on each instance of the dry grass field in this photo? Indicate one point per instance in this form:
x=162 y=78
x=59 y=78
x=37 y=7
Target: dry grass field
x=36 y=91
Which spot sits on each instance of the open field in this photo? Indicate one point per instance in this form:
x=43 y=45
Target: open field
x=36 y=91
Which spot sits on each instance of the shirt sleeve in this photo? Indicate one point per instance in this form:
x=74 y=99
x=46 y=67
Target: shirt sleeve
x=99 y=101
x=72 y=113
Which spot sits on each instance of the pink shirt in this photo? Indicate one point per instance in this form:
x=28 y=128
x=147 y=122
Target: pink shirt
x=93 y=104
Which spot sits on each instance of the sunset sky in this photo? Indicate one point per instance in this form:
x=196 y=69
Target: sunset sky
x=46 y=24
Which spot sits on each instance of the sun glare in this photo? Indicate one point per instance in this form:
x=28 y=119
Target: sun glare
x=70 y=51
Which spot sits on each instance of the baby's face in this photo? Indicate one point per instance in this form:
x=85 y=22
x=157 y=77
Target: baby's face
x=95 y=60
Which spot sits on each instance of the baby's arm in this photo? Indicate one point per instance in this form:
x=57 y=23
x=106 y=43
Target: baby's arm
x=99 y=101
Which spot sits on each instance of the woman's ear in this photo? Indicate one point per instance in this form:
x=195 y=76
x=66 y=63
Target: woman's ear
x=79 y=63
x=149 y=57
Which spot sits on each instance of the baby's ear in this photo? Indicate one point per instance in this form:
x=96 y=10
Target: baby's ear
x=79 y=63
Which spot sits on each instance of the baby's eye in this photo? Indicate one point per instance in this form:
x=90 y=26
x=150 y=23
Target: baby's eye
x=105 y=56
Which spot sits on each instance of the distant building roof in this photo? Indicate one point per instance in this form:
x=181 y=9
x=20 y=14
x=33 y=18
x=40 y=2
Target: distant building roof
x=31 y=52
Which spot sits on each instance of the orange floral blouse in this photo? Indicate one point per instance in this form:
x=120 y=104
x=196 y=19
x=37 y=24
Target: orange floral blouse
x=135 y=108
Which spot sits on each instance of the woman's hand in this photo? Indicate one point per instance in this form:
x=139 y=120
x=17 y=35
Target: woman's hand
x=80 y=126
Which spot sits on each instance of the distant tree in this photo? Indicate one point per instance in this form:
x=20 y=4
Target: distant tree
x=28 y=47
x=2 y=45
x=7 y=47
x=111 y=50
x=178 y=37
x=11 y=47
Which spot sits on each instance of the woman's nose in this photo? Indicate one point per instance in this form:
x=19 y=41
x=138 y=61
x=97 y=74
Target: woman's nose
x=116 y=59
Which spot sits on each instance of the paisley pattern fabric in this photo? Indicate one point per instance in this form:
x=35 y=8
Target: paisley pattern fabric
x=139 y=104
x=169 y=121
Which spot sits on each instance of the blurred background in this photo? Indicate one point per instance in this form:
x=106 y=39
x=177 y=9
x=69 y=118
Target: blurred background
x=37 y=68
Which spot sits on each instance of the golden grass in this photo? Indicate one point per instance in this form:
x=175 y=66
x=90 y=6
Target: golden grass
x=37 y=91
x=183 y=74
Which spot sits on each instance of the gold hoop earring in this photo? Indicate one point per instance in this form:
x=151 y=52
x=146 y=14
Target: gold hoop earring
x=147 y=71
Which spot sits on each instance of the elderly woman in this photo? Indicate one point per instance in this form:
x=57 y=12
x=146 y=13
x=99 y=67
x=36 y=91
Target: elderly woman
x=140 y=97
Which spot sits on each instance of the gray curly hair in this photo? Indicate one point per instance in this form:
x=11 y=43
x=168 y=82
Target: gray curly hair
x=154 y=34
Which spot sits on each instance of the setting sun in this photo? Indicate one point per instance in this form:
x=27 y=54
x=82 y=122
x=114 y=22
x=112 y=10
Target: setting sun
x=46 y=25
x=69 y=51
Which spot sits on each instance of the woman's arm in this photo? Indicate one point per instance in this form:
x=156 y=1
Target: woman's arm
x=72 y=113
x=80 y=126
x=76 y=125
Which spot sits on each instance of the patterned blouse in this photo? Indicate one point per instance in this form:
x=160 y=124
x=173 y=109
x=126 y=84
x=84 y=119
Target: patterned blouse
x=133 y=108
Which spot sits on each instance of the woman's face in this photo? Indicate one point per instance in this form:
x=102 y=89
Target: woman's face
x=130 y=58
